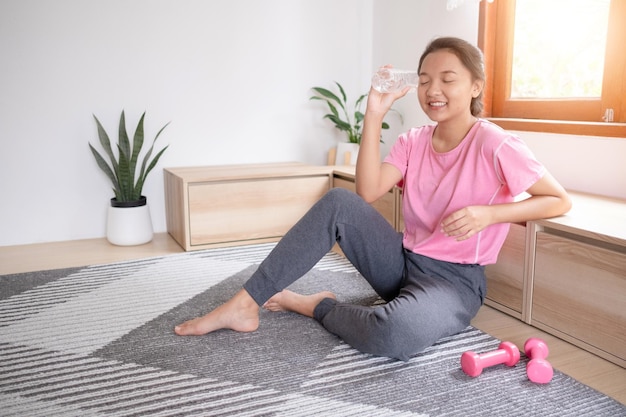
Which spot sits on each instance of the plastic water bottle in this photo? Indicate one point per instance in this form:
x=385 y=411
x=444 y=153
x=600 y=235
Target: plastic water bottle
x=386 y=80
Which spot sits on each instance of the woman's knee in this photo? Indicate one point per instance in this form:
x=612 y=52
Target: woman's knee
x=403 y=346
x=340 y=196
x=342 y=203
x=399 y=340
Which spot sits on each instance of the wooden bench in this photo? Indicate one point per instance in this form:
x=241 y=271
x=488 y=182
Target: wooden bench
x=567 y=275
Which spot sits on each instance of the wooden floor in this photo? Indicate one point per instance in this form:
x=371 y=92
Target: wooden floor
x=584 y=366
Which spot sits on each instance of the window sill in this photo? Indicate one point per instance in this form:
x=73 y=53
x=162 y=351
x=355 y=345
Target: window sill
x=617 y=130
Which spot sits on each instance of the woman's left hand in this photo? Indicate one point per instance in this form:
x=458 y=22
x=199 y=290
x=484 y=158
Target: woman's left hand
x=467 y=222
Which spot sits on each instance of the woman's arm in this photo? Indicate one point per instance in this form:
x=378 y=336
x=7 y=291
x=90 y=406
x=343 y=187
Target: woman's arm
x=547 y=199
x=373 y=178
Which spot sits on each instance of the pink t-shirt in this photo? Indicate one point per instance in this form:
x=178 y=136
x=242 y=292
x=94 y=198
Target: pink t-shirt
x=490 y=166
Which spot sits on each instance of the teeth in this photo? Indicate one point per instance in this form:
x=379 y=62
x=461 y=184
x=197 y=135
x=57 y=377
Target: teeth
x=438 y=104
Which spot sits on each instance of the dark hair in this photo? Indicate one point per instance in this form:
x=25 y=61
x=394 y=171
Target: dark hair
x=470 y=56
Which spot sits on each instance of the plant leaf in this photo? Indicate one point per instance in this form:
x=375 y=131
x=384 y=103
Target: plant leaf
x=155 y=160
x=331 y=106
x=357 y=105
x=137 y=145
x=106 y=169
x=144 y=172
x=106 y=143
x=144 y=175
x=124 y=175
x=327 y=93
x=333 y=109
x=124 y=178
x=123 y=141
x=159 y=132
x=339 y=124
x=343 y=93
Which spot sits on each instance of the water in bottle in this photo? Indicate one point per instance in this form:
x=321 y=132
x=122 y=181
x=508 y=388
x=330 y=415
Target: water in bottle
x=386 y=80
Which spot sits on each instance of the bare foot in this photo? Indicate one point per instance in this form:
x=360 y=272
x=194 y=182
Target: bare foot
x=240 y=313
x=302 y=304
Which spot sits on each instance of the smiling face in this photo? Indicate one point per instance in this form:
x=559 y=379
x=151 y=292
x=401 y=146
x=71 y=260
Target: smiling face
x=446 y=87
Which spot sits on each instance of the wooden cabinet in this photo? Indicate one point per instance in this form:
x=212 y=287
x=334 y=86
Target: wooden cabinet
x=505 y=279
x=240 y=204
x=579 y=292
x=567 y=275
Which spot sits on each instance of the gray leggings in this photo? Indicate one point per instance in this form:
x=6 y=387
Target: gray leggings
x=426 y=299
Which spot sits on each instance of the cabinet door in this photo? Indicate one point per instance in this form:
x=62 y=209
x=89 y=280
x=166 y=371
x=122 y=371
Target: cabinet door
x=580 y=291
x=243 y=210
x=505 y=279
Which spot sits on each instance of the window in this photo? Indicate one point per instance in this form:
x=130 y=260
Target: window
x=557 y=65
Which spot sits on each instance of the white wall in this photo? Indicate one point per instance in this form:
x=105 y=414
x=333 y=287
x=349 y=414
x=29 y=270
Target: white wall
x=234 y=79
x=589 y=164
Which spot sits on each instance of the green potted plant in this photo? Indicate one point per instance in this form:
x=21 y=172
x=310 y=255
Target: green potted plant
x=128 y=217
x=352 y=125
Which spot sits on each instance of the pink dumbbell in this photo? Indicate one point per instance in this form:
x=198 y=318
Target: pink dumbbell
x=538 y=369
x=473 y=364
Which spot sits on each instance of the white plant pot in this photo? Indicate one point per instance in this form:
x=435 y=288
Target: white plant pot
x=342 y=149
x=128 y=226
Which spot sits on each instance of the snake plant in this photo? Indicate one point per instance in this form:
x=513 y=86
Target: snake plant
x=122 y=170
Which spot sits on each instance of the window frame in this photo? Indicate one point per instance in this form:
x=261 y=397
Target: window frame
x=570 y=116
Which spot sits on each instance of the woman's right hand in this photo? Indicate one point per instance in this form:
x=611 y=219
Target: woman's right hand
x=380 y=103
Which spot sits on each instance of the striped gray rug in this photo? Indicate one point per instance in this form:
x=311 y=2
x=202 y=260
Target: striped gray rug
x=98 y=341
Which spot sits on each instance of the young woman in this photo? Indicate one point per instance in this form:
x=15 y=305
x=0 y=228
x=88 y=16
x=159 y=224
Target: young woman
x=460 y=177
